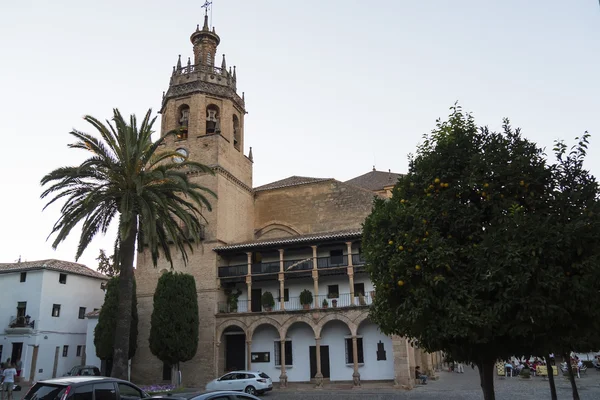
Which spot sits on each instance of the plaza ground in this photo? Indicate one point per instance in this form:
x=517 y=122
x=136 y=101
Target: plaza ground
x=449 y=386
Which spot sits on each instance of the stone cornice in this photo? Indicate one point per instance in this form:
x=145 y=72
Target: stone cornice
x=199 y=86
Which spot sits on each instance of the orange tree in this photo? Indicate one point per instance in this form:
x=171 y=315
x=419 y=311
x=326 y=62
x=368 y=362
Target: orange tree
x=567 y=318
x=454 y=252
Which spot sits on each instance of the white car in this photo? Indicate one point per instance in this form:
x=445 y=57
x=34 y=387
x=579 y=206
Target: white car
x=251 y=382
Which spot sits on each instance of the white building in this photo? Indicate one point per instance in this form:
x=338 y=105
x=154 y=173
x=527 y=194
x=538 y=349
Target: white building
x=42 y=314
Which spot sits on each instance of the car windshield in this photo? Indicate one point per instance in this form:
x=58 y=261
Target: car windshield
x=263 y=375
x=43 y=391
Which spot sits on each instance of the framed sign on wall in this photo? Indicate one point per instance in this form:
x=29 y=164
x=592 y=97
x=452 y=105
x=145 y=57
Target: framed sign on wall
x=260 y=357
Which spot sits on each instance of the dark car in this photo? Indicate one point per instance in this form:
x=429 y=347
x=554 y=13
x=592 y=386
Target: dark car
x=85 y=388
x=216 y=395
x=84 y=370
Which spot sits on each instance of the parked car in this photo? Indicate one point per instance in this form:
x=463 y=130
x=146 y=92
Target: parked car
x=251 y=382
x=85 y=388
x=218 y=395
x=84 y=370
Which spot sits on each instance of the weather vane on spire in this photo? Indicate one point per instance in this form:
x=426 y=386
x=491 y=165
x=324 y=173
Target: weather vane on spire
x=208 y=5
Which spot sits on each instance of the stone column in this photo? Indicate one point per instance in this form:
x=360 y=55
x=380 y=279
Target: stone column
x=315 y=276
x=282 y=291
x=319 y=375
x=283 y=376
x=349 y=244
x=249 y=288
x=350 y=273
x=356 y=374
x=281 y=281
x=249 y=354
x=403 y=374
x=249 y=254
x=217 y=357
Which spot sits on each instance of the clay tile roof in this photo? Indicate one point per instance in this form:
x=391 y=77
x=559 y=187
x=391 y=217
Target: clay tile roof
x=375 y=180
x=54 y=265
x=310 y=238
x=93 y=314
x=291 y=181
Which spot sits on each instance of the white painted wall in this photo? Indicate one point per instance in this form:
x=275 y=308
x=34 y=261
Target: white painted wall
x=373 y=369
x=90 y=350
x=333 y=335
x=302 y=337
x=264 y=341
x=13 y=291
x=41 y=290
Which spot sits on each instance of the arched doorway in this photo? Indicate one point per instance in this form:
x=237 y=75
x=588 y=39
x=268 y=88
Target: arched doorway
x=233 y=349
x=299 y=336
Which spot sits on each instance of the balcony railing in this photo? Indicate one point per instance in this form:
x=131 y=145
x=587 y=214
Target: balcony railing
x=332 y=262
x=233 y=270
x=343 y=300
x=265 y=268
x=303 y=264
x=357 y=259
x=21 y=322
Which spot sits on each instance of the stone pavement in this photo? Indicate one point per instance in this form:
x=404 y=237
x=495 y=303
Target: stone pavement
x=450 y=386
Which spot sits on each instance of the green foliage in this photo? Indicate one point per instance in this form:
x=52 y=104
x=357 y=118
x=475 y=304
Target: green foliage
x=267 y=300
x=306 y=297
x=232 y=298
x=174 y=322
x=525 y=373
x=325 y=303
x=157 y=201
x=444 y=251
x=104 y=333
x=484 y=250
x=107 y=265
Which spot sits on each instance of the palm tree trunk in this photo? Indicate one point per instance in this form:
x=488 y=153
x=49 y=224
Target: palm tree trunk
x=122 y=330
x=551 y=367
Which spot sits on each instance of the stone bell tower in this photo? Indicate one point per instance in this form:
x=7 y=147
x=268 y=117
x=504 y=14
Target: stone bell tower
x=203 y=108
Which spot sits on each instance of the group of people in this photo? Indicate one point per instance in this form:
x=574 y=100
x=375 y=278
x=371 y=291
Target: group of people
x=8 y=375
x=515 y=366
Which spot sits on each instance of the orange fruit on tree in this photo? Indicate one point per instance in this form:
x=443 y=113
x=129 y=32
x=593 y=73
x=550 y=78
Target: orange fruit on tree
x=437 y=180
x=391 y=242
x=417 y=267
x=400 y=283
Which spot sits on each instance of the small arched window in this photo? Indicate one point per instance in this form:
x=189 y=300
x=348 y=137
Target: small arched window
x=236 y=132
x=213 y=124
x=183 y=119
x=209 y=59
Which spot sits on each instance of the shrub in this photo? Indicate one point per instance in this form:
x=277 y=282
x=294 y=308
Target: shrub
x=306 y=297
x=267 y=300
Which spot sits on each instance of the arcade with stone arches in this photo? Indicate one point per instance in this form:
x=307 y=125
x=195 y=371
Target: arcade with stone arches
x=316 y=347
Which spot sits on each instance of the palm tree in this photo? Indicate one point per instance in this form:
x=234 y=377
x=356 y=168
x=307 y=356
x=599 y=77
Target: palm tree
x=151 y=192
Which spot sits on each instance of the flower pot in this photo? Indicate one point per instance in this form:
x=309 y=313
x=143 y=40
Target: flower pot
x=325 y=306
x=268 y=309
x=334 y=303
x=306 y=306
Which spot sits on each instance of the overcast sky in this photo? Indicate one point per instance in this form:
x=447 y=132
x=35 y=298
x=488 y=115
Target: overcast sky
x=332 y=86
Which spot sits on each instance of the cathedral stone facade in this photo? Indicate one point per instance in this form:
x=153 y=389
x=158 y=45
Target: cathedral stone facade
x=285 y=238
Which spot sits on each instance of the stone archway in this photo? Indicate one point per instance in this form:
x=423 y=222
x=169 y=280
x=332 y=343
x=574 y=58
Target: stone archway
x=299 y=318
x=230 y=346
x=263 y=321
x=335 y=317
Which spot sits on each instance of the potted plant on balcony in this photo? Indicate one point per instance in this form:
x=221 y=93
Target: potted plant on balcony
x=268 y=301
x=306 y=299
x=232 y=299
x=325 y=303
x=333 y=296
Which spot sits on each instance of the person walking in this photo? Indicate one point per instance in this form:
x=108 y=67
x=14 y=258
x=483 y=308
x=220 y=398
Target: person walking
x=460 y=368
x=8 y=381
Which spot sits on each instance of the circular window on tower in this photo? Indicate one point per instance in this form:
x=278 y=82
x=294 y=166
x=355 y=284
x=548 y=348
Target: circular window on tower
x=183 y=155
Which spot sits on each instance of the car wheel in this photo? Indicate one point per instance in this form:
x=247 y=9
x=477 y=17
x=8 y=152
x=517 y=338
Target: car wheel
x=250 y=390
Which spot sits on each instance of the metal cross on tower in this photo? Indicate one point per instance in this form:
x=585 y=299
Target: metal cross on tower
x=208 y=5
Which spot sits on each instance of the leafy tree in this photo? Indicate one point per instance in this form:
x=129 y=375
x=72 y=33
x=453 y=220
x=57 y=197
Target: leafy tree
x=127 y=176
x=451 y=252
x=568 y=320
x=107 y=265
x=104 y=333
x=174 y=322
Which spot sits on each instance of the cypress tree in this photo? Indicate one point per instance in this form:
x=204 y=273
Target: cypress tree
x=174 y=321
x=104 y=333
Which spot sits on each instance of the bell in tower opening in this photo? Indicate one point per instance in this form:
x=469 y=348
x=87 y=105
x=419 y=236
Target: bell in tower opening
x=184 y=117
x=212 y=120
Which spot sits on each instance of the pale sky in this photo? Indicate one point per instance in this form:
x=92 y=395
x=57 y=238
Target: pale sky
x=332 y=86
